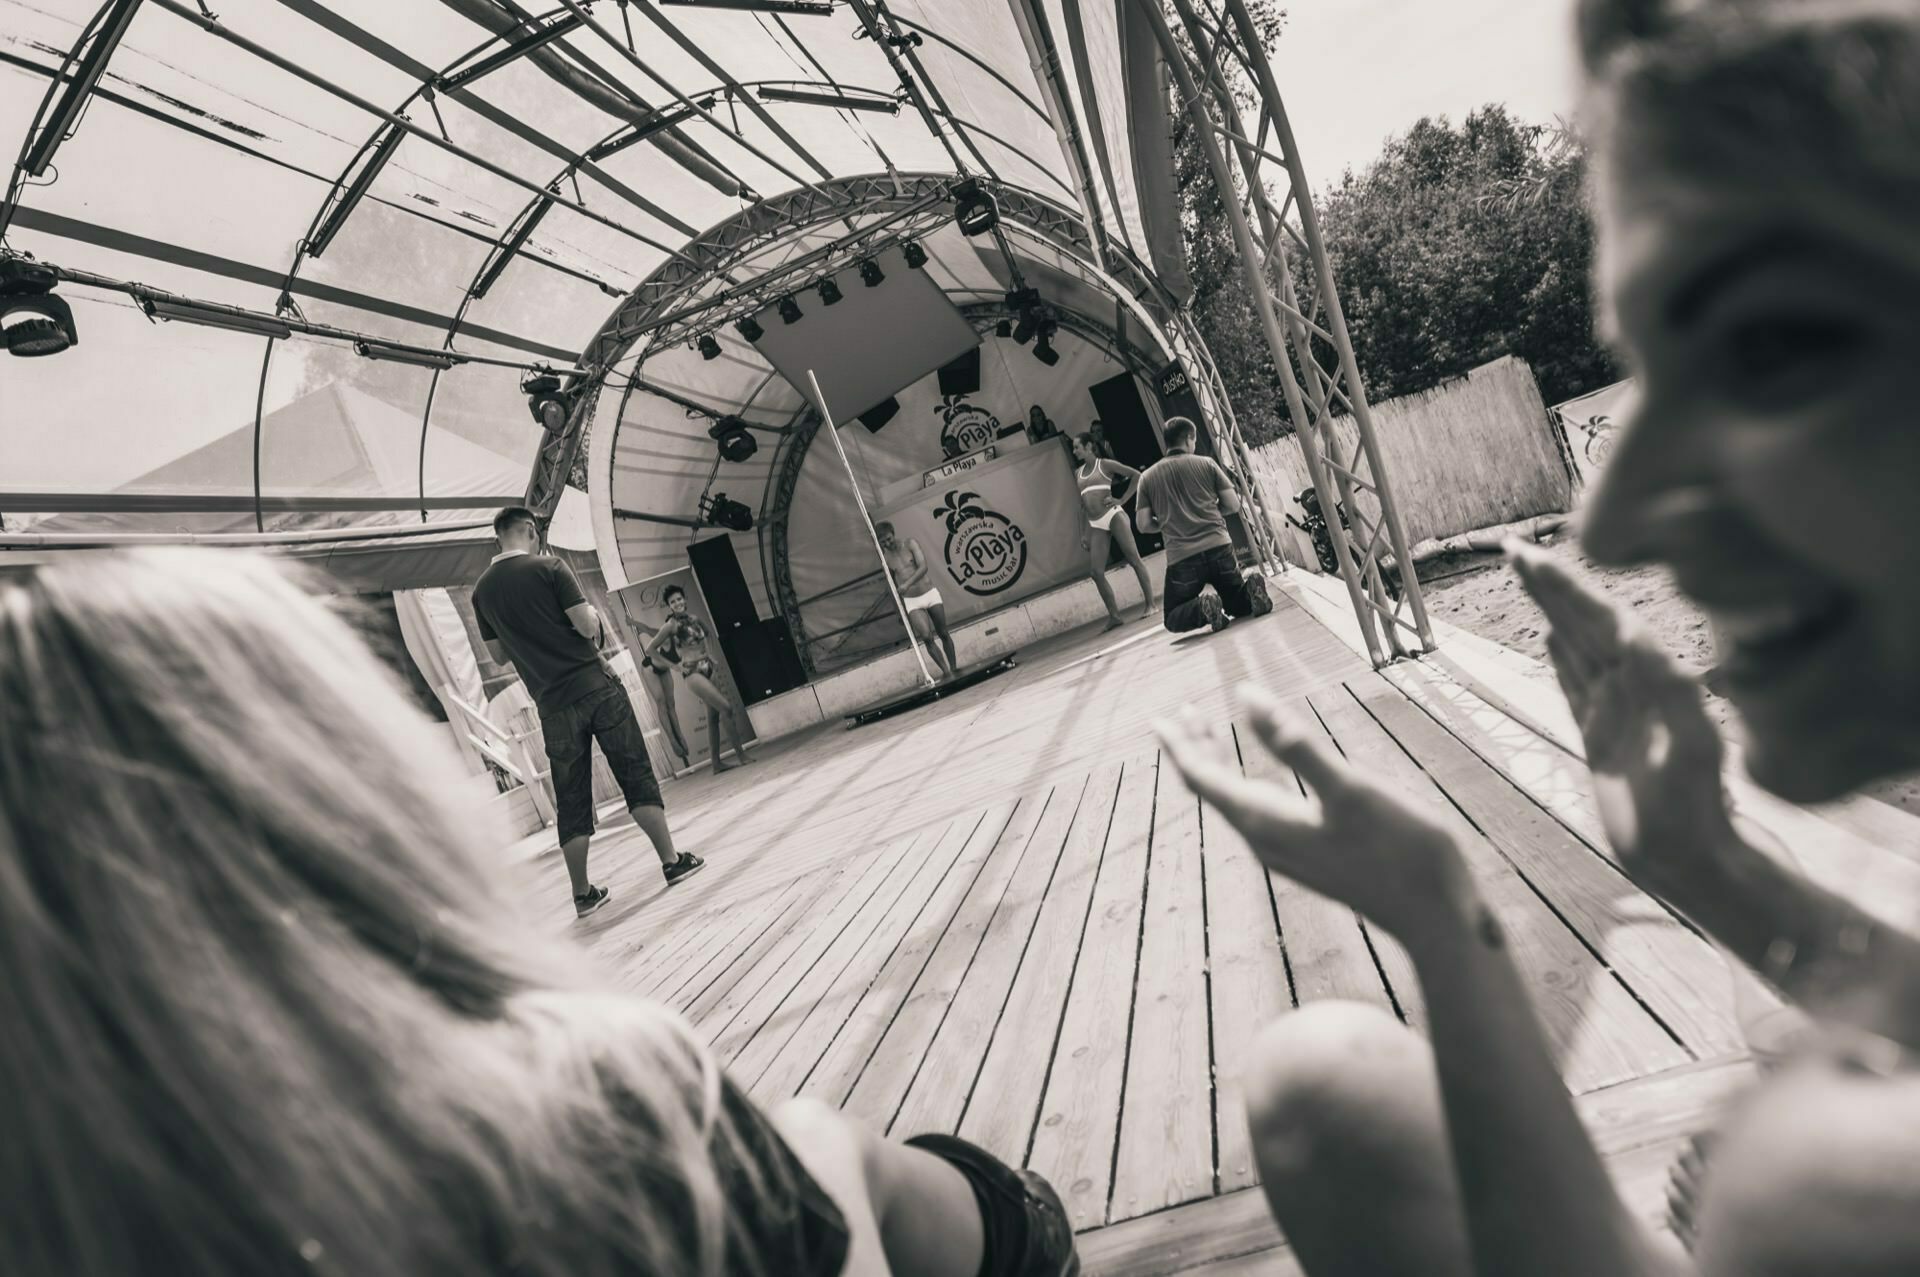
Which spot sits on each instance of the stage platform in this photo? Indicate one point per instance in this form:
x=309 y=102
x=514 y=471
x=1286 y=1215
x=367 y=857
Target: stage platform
x=1003 y=915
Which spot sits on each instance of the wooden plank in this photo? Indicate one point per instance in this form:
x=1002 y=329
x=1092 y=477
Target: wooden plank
x=868 y=998
x=875 y=1093
x=1674 y=972
x=1638 y=1127
x=1073 y=1144
x=1599 y=1033
x=1248 y=983
x=815 y=889
x=888 y=912
x=1166 y=1121
x=720 y=957
x=934 y=1095
x=713 y=931
x=735 y=1017
x=1325 y=942
x=1004 y=1103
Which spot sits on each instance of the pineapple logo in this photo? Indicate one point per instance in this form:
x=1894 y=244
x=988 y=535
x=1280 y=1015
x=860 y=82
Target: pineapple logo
x=986 y=552
x=965 y=427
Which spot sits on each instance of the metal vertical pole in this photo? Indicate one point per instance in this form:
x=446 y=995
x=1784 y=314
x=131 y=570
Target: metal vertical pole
x=1336 y=316
x=1262 y=302
x=833 y=432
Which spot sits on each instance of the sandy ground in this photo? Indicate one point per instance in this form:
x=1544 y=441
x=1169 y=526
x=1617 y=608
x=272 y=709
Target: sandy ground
x=1478 y=594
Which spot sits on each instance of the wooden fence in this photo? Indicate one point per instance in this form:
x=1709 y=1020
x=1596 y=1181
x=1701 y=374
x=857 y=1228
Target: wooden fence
x=1470 y=454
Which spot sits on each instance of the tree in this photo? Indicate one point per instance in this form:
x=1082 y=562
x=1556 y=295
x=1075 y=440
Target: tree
x=1464 y=243
x=1456 y=246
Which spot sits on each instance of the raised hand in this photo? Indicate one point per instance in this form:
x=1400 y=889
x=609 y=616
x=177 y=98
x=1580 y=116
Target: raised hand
x=1352 y=840
x=1654 y=753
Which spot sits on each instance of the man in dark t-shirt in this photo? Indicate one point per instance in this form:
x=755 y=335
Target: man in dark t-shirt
x=1186 y=498
x=532 y=613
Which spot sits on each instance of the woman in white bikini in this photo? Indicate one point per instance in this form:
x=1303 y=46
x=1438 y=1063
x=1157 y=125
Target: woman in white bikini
x=682 y=642
x=1106 y=486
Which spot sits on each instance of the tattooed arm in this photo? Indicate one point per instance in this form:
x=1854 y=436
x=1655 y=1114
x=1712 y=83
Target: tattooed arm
x=1536 y=1197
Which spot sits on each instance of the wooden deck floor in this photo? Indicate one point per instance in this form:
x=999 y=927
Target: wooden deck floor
x=1004 y=916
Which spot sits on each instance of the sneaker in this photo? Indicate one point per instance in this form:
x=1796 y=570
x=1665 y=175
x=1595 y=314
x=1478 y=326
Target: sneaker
x=1257 y=589
x=594 y=901
x=685 y=867
x=1215 y=612
x=1029 y=1231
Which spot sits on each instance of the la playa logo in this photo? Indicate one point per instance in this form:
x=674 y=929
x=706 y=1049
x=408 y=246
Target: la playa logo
x=965 y=426
x=986 y=552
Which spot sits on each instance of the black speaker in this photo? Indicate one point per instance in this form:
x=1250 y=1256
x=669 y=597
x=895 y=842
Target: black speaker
x=962 y=376
x=880 y=414
x=724 y=586
x=1128 y=431
x=763 y=659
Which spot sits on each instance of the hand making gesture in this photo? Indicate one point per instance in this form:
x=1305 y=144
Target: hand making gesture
x=1351 y=839
x=1654 y=753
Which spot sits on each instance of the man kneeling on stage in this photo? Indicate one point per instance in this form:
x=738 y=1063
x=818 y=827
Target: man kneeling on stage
x=921 y=597
x=1186 y=499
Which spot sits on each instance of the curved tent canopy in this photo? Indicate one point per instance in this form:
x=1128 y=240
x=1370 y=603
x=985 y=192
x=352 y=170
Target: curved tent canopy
x=511 y=187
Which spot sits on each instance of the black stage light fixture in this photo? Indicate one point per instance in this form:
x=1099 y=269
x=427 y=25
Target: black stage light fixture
x=410 y=355
x=880 y=414
x=750 y=328
x=916 y=256
x=736 y=441
x=709 y=348
x=829 y=292
x=862 y=101
x=870 y=272
x=235 y=320
x=1003 y=329
x=1043 y=347
x=974 y=209
x=36 y=322
x=720 y=512
x=793 y=8
x=548 y=401
x=789 y=310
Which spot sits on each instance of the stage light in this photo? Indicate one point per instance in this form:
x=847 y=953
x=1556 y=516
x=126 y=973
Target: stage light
x=36 y=322
x=880 y=414
x=238 y=321
x=750 y=328
x=719 y=512
x=798 y=8
x=548 y=401
x=870 y=272
x=1003 y=329
x=829 y=292
x=821 y=97
x=438 y=359
x=789 y=310
x=709 y=348
x=1043 y=348
x=974 y=209
x=916 y=256
x=736 y=441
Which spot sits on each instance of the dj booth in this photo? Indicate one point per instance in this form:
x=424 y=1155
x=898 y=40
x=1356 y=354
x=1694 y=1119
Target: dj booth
x=997 y=525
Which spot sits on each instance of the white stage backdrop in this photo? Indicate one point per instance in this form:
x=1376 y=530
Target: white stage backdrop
x=826 y=545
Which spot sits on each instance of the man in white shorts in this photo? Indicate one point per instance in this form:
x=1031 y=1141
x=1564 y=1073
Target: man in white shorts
x=925 y=608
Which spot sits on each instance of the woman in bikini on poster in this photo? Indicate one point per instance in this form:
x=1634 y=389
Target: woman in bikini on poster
x=681 y=641
x=1105 y=486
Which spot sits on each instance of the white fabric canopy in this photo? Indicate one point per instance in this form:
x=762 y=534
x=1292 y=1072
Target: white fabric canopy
x=203 y=164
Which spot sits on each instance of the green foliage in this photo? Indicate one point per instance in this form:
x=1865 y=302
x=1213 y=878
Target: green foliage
x=1462 y=244
x=1458 y=245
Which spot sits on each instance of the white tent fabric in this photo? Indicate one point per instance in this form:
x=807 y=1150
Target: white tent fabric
x=214 y=149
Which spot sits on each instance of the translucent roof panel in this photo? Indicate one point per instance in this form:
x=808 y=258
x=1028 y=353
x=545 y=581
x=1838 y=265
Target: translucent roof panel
x=507 y=214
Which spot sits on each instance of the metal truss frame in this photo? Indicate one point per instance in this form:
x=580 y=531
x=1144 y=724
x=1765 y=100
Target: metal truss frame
x=1311 y=337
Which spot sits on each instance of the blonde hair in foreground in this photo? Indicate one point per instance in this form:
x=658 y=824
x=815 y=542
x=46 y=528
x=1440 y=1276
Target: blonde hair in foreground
x=264 y=1010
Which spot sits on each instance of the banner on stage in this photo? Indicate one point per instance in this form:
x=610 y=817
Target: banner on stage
x=999 y=532
x=941 y=473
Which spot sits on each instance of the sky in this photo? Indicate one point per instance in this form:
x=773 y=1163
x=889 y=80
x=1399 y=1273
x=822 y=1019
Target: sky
x=1355 y=72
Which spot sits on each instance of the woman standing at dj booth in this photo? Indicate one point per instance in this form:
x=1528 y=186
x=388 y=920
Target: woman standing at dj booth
x=1105 y=487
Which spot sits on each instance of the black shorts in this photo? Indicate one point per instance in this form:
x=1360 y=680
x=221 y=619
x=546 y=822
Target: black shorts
x=605 y=716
